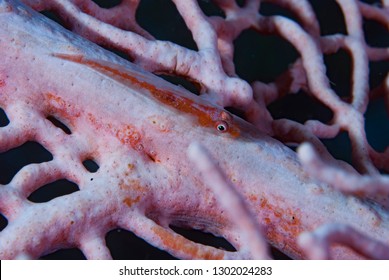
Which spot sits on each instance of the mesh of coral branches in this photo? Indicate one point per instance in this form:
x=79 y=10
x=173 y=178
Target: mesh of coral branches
x=301 y=71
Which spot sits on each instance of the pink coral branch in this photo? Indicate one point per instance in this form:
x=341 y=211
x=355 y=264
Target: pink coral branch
x=203 y=66
x=375 y=13
x=232 y=203
x=95 y=248
x=317 y=245
x=341 y=179
x=138 y=129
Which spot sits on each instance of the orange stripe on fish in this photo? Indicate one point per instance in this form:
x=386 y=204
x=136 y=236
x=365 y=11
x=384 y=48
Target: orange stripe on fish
x=207 y=115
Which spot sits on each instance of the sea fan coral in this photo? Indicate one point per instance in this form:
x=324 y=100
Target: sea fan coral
x=141 y=154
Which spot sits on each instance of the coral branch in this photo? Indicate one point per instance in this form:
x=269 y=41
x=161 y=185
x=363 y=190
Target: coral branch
x=159 y=56
x=94 y=248
x=232 y=203
x=317 y=245
x=341 y=179
x=84 y=103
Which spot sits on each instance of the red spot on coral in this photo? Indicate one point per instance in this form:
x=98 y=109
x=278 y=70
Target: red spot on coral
x=2 y=83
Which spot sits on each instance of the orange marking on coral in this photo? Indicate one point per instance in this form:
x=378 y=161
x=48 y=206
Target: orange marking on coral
x=267 y=221
x=56 y=105
x=92 y=119
x=132 y=184
x=131 y=201
x=56 y=100
x=276 y=218
x=263 y=202
x=278 y=212
x=178 y=243
x=207 y=116
x=129 y=135
x=131 y=166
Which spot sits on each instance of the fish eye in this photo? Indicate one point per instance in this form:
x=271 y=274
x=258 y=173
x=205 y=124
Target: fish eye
x=222 y=126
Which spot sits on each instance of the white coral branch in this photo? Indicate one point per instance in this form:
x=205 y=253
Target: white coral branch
x=341 y=179
x=317 y=244
x=232 y=202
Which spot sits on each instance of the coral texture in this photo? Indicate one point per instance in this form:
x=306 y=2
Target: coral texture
x=167 y=157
